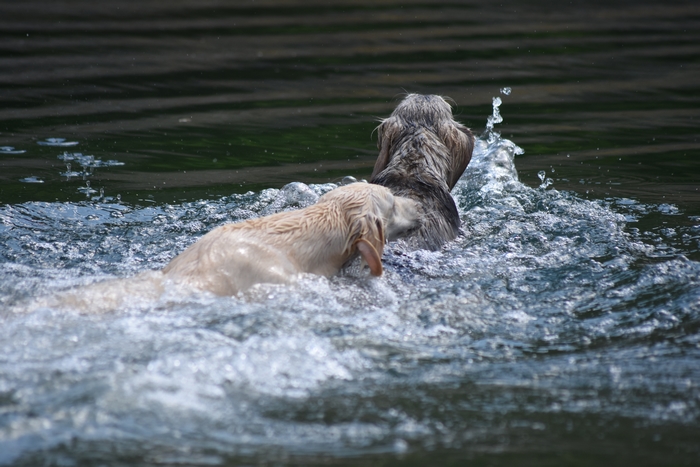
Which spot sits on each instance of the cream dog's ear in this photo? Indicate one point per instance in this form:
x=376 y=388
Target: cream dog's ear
x=371 y=246
x=371 y=256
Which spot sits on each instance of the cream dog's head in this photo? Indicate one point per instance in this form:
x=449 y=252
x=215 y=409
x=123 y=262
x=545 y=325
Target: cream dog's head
x=374 y=215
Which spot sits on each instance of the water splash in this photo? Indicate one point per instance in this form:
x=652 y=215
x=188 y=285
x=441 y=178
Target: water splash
x=493 y=119
x=547 y=309
x=491 y=172
x=87 y=162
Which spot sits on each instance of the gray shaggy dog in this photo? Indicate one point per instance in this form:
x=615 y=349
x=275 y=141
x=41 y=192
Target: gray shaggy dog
x=422 y=153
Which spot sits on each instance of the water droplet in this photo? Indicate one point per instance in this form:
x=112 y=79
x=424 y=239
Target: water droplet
x=546 y=182
x=67 y=156
x=31 y=179
x=87 y=189
x=400 y=446
x=57 y=142
x=11 y=150
x=69 y=173
x=506 y=91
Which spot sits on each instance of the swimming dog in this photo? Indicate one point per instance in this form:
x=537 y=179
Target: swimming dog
x=423 y=151
x=351 y=220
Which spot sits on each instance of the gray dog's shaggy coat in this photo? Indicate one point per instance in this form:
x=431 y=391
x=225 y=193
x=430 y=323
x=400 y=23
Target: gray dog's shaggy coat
x=422 y=153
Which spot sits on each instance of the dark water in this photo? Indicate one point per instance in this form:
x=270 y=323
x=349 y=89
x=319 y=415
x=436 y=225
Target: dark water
x=562 y=329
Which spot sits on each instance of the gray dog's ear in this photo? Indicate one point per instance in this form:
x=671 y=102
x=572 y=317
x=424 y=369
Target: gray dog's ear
x=386 y=133
x=460 y=142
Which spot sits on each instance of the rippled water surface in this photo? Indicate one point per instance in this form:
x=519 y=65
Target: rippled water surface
x=562 y=327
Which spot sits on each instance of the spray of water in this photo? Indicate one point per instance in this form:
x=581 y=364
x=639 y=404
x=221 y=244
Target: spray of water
x=547 y=308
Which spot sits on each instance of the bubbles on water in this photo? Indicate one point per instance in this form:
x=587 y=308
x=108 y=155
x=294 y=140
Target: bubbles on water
x=11 y=150
x=61 y=142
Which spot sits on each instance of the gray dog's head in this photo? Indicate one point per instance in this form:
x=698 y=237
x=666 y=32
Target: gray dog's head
x=418 y=114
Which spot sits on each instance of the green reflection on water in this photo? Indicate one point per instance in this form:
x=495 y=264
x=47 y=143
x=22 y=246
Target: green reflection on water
x=235 y=148
x=190 y=162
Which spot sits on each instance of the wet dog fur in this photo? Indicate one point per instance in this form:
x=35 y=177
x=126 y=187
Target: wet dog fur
x=423 y=151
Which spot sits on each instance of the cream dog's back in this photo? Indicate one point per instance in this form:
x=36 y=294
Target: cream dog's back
x=270 y=249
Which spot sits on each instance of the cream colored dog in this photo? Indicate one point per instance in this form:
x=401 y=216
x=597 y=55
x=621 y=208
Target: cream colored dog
x=320 y=239
x=346 y=222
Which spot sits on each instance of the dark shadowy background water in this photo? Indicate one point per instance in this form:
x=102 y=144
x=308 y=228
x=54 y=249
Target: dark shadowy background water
x=205 y=98
x=185 y=100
